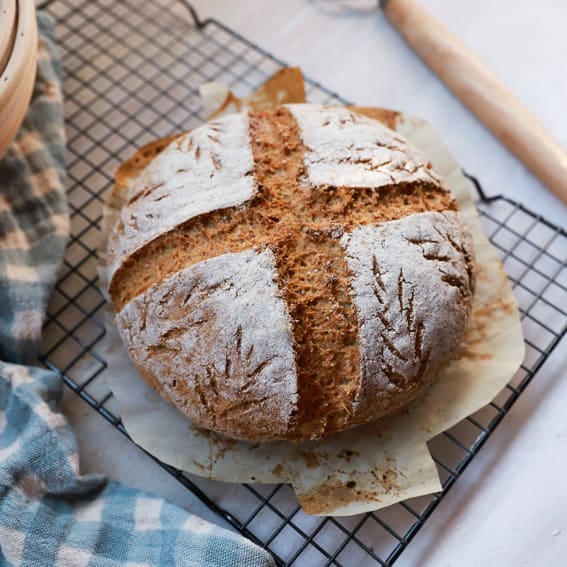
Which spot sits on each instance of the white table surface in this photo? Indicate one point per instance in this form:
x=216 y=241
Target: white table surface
x=510 y=506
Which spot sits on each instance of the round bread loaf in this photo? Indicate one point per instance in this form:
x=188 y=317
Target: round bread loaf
x=290 y=273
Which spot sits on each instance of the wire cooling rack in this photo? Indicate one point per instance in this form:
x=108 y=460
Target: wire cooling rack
x=131 y=75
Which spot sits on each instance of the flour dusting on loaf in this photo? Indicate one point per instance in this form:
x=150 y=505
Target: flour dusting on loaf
x=291 y=272
x=375 y=156
x=224 y=324
x=412 y=283
x=204 y=170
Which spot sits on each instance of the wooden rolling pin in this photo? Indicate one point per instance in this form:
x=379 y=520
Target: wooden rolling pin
x=482 y=93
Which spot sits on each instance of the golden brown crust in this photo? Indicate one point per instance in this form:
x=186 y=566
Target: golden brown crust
x=302 y=228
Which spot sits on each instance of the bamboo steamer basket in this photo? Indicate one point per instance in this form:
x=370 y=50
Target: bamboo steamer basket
x=18 y=61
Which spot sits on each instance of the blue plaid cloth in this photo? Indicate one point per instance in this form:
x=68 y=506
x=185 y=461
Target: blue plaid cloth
x=50 y=515
x=34 y=221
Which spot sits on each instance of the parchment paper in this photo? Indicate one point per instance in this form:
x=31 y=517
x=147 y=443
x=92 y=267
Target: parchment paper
x=369 y=467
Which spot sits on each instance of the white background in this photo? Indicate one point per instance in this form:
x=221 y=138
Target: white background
x=510 y=506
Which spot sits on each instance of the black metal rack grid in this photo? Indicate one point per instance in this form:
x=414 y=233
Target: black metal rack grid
x=131 y=76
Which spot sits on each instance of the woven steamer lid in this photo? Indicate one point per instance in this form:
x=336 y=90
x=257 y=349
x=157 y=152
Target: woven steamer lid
x=18 y=52
x=289 y=273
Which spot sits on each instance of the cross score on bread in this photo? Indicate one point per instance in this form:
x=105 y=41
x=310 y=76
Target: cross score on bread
x=290 y=273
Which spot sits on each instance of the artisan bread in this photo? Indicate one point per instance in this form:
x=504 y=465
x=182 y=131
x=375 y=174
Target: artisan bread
x=290 y=273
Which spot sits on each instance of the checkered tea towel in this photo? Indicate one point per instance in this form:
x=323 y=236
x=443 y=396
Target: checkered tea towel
x=34 y=221
x=50 y=515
